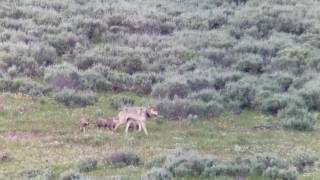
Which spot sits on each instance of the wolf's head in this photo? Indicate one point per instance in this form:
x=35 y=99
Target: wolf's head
x=152 y=111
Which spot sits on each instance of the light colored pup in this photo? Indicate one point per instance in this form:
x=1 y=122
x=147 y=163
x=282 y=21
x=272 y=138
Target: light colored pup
x=84 y=123
x=139 y=114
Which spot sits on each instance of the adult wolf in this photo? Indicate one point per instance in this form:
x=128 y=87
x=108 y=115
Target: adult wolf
x=139 y=114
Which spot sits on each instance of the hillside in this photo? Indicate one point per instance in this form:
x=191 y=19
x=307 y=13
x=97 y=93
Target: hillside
x=196 y=61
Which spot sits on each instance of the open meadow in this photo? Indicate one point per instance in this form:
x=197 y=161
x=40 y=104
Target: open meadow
x=46 y=137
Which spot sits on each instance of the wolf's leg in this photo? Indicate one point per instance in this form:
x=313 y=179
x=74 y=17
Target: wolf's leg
x=127 y=127
x=118 y=124
x=139 y=126
x=144 y=128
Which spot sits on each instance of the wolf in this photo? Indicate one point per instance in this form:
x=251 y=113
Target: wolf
x=130 y=115
x=106 y=123
x=84 y=122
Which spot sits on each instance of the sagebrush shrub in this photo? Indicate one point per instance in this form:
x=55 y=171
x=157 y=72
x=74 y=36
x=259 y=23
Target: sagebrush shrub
x=297 y=118
x=206 y=95
x=303 y=160
x=310 y=94
x=121 y=101
x=157 y=174
x=87 y=165
x=94 y=81
x=156 y=162
x=234 y=168
x=121 y=159
x=250 y=64
x=44 y=54
x=23 y=85
x=70 y=175
x=62 y=76
x=131 y=65
x=241 y=92
x=171 y=90
x=274 y=104
x=184 y=163
x=36 y=174
x=182 y=108
x=74 y=98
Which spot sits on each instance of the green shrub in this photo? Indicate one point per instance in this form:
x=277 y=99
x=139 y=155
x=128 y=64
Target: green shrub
x=70 y=175
x=304 y=160
x=157 y=174
x=310 y=94
x=45 y=55
x=121 y=159
x=87 y=165
x=222 y=78
x=75 y=98
x=234 y=168
x=206 y=95
x=196 y=84
x=62 y=76
x=94 y=81
x=276 y=103
x=250 y=64
x=186 y=163
x=241 y=92
x=182 y=108
x=171 y=90
x=156 y=162
x=23 y=85
x=142 y=83
x=131 y=65
x=121 y=101
x=36 y=174
x=296 y=118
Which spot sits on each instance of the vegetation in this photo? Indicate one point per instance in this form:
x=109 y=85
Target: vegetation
x=246 y=53
x=217 y=68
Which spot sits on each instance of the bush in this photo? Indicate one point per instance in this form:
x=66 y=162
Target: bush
x=121 y=101
x=206 y=95
x=156 y=162
x=23 y=85
x=45 y=55
x=310 y=94
x=182 y=108
x=62 y=76
x=186 y=163
x=233 y=168
x=304 y=160
x=36 y=174
x=272 y=167
x=273 y=105
x=296 y=118
x=121 y=159
x=131 y=65
x=75 y=98
x=241 y=92
x=250 y=64
x=142 y=83
x=87 y=165
x=94 y=81
x=70 y=175
x=157 y=174
x=171 y=90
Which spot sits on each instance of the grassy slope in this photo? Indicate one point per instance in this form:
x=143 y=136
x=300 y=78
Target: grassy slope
x=48 y=136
